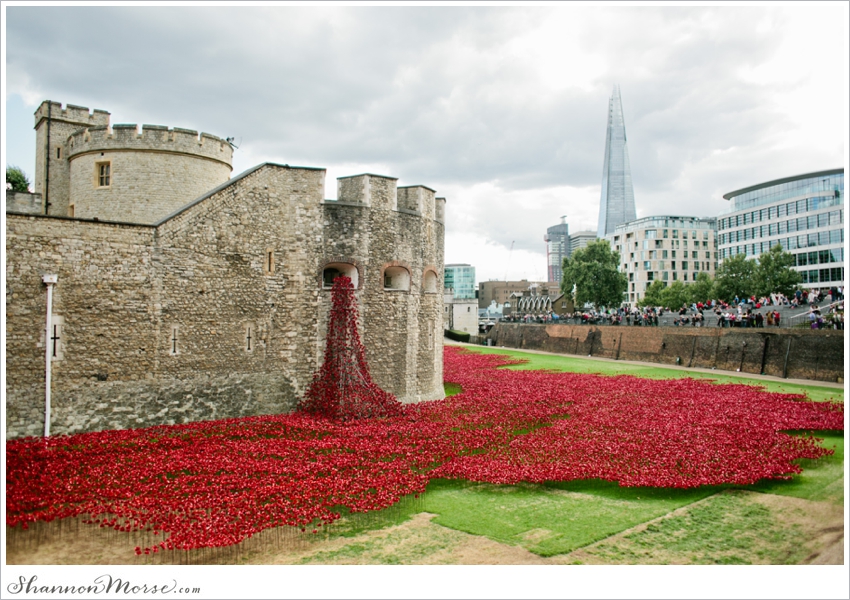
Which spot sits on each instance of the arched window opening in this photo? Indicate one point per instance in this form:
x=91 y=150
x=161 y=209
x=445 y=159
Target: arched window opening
x=334 y=270
x=396 y=278
x=429 y=282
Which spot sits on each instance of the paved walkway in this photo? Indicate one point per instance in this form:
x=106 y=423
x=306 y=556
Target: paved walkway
x=825 y=384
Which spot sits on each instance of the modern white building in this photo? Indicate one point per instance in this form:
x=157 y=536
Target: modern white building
x=666 y=248
x=460 y=314
x=803 y=213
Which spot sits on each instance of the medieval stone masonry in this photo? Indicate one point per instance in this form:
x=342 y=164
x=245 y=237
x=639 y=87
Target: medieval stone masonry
x=183 y=295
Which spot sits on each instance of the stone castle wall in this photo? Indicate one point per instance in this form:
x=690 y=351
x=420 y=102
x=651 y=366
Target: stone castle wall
x=791 y=353
x=218 y=311
x=24 y=202
x=105 y=299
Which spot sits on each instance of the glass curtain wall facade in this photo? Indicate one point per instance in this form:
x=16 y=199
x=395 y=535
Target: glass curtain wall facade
x=461 y=279
x=665 y=248
x=805 y=214
x=617 y=201
x=557 y=249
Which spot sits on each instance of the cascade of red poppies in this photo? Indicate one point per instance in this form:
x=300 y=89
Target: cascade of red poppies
x=214 y=484
x=342 y=388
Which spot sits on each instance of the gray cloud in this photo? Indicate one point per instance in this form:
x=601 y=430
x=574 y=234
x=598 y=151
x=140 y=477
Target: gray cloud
x=440 y=96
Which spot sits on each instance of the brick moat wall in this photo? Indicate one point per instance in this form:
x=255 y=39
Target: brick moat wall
x=791 y=353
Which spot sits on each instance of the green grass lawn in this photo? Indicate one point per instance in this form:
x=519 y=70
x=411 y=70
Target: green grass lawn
x=726 y=529
x=550 y=519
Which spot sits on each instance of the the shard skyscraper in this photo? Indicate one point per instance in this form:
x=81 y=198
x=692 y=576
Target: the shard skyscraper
x=617 y=203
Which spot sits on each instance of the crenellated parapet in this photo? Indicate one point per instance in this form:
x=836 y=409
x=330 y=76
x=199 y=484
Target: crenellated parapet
x=368 y=189
x=380 y=191
x=149 y=138
x=440 y=210
x=417 y=199
x=72 y=114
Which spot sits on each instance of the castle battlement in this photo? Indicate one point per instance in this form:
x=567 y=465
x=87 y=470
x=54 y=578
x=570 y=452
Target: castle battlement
x=79 y=115
x=440 y=210
x=150 y=138
x=380 y=191
x=418 y=199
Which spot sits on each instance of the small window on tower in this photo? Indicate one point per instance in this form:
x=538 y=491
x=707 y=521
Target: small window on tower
x=268 y=262
x=58 y=151
x=103 y=174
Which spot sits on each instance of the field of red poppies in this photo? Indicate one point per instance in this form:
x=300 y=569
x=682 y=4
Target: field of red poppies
x=217 y=483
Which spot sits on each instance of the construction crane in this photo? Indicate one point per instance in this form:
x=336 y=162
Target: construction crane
x=508 y=264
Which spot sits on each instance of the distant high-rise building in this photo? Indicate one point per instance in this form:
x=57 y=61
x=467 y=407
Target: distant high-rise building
x=580 y=239
x=461 y=279
x=617 y=202
x=557 y=248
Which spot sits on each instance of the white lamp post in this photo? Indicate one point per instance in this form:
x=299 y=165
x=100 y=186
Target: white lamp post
x=50 y=280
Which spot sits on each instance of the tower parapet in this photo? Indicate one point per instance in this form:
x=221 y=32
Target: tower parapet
x=378 y=191
x=156 y=138
x=440 y=210
x=72 y=114
x=418 y=199
x=125 y=173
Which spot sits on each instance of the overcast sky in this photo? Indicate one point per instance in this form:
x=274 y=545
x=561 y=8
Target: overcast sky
x=502 y=110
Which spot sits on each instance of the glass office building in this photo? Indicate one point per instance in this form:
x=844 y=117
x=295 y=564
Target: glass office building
x=461 y=279
x=617 y=201
x=804 y=213
x=557 y=249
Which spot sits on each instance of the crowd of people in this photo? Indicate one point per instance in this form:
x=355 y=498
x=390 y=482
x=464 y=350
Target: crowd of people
x=741 y=312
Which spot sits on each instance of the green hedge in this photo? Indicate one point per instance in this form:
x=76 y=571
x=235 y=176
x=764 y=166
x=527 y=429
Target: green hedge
x=458 y=336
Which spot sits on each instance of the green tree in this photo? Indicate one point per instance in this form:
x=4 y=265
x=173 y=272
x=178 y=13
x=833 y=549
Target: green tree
x=16 y=179
x=735 y=277
x=702 y=289
x=654 y=294
x=592 y=272
x=774 y=274
x=671 y=296
x=675 y=295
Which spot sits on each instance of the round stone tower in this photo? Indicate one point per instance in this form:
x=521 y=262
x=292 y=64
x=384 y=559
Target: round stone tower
x=142 y=176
